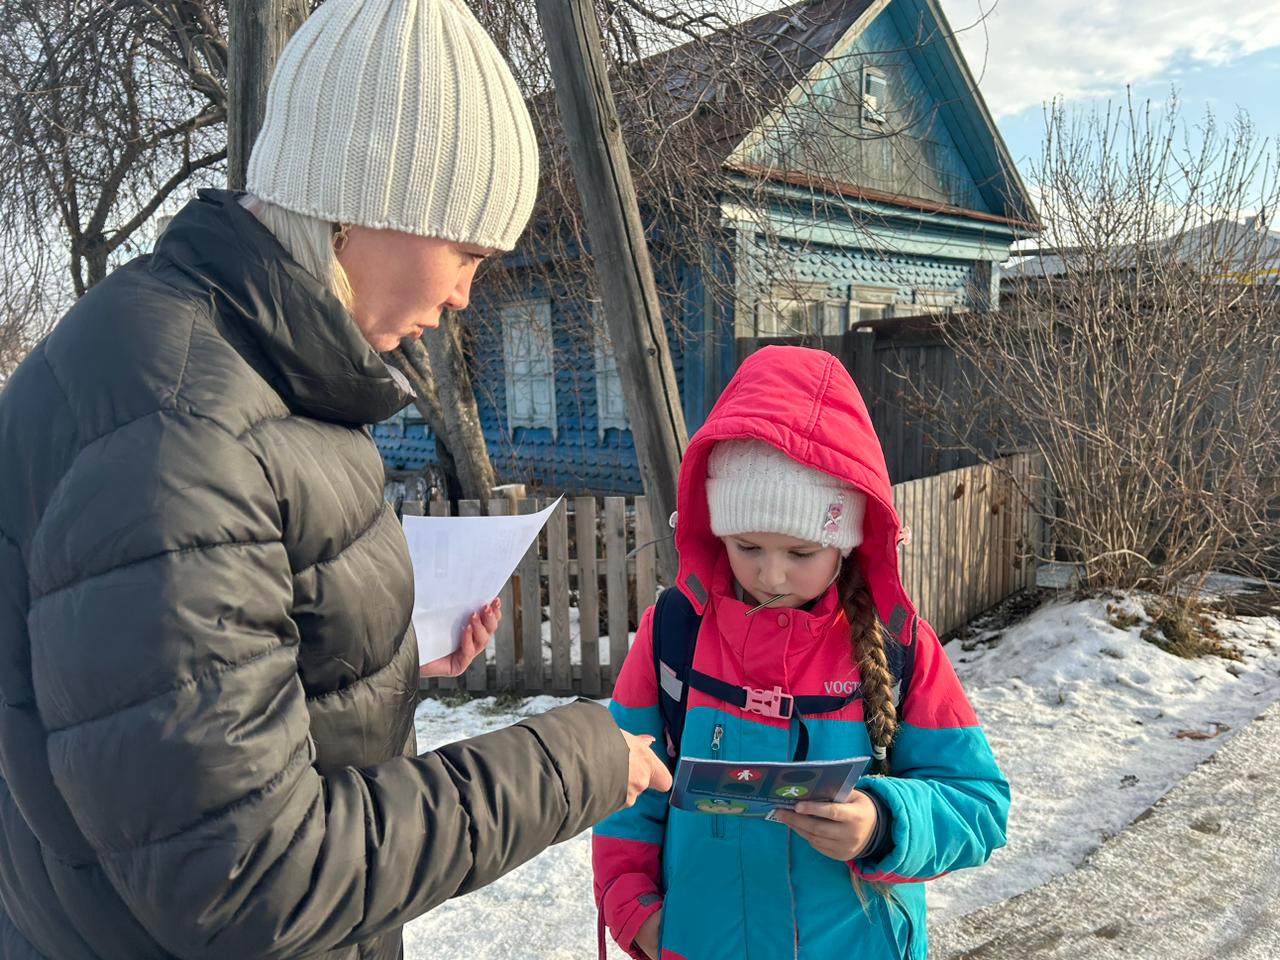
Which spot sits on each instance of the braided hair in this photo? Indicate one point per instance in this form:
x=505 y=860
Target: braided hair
x=881 y=716
x=873 y=665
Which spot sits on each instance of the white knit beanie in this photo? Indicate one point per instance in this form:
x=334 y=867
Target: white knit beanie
x=398 y=115
x=753 y=487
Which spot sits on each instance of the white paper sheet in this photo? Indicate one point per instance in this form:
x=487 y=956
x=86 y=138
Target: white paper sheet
x=459 y=565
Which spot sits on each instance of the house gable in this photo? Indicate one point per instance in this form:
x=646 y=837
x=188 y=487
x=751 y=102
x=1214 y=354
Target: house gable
x=891 y=113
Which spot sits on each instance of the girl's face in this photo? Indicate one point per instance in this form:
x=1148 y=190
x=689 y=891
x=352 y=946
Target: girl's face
x=768 y=564
x=402 y=283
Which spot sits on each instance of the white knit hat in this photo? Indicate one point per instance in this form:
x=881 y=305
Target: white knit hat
x=398 y=115
x=753 y=487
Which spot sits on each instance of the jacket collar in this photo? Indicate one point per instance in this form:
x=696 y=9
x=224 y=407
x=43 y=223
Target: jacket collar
x=788 y=630
x=312 y=352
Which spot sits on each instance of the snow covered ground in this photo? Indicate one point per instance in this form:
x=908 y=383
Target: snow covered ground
x=1090 y=722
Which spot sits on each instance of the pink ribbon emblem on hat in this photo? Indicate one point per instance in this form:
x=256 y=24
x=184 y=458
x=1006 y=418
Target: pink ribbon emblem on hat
x=831 y=528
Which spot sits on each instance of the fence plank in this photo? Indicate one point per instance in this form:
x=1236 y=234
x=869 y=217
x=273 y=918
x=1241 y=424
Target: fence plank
x=1005 y=584
x=558 y=588
x=977 y=590
x=974 y=524
x=937 y=564
x=477 y=676
x=897 y=414
x=921 y=541
x=1011 y=530
x=999 y=538
x=1025 y=512
x=917 y=555
x=945 y=547
x=584 y=528
x=978 y=518
x=531 y=611
x=991 y=516
x=988 y=536
x=911 y=417
x=919 y=538
x=615 y=546
x=504 y=643
x=646 y=568
x=950 y=456
x=904 y=554
x=441 y=508
x=963 y=485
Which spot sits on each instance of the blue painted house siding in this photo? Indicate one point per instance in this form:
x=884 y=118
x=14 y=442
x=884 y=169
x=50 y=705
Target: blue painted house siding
x=914 y=153
x=932 y=214
x=578 y=457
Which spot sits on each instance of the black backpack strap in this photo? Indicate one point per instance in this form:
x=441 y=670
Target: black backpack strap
x=902 y=663
x=768 y=703
x=675 y=635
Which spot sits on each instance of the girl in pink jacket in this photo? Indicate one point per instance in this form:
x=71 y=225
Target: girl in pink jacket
x=807 y=647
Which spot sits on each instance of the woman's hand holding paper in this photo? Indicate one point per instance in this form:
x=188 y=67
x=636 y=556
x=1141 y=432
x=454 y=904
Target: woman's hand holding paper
x=475 y=637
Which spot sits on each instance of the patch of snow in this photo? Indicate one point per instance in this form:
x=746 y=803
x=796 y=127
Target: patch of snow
x=575 y=638
x=1084 y=717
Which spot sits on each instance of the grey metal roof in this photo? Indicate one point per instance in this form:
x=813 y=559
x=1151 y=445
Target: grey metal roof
x=1218 y=246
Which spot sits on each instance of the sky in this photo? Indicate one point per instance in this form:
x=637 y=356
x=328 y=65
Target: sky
x=1224 y=56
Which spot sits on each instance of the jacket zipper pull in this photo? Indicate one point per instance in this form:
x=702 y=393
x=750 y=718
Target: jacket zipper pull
x=717 y=823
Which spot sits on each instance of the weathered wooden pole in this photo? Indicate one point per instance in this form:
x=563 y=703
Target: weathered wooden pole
x=612 y=215
x=257 y=31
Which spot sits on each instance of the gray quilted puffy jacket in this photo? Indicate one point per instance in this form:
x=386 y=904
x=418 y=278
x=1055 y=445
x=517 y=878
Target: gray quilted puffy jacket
x=207 y=671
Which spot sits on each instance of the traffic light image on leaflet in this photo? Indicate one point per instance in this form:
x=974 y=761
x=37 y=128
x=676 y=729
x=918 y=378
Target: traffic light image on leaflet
x=755 y=789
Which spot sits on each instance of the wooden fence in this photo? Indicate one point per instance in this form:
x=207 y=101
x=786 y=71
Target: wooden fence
x=576 y=597
x=976 y=535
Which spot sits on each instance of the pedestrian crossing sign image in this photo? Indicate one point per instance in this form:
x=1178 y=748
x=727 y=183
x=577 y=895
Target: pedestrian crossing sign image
x=742 y=789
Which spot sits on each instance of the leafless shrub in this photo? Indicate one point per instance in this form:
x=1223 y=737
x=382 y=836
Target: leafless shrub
x=1139 y=349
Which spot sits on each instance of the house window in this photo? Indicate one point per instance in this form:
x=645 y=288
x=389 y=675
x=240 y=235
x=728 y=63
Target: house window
x=835 y=318
x=870 y=303
x=529 y=365
x=611 y=409
x=793 y=310
x=875 y=96
x=937 y=301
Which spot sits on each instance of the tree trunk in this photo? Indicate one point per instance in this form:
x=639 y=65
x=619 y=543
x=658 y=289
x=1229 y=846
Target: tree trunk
x=257 y=31
x=411 y=359
x=459 y=411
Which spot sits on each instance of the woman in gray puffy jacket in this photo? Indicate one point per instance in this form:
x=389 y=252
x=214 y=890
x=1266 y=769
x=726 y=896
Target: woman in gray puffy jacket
x=207 y=669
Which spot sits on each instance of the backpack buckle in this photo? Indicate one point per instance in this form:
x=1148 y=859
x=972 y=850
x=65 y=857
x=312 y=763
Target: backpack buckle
x=769 y=703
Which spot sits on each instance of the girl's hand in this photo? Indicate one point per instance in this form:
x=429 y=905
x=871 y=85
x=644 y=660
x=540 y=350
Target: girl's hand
x=475 y=637
x=840 y=831
x=647 y=936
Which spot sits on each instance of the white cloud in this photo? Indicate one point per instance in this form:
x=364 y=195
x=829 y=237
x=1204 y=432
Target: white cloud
x=1035 y=50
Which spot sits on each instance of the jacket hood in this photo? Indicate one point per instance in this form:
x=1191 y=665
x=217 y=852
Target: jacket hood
x=803 y=402
x=315 y=355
